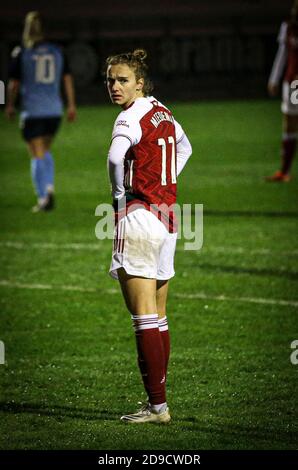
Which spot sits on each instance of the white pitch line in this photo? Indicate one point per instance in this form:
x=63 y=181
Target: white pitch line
x=202 y=296
x=19 y=285
x=98 y=246
x=51 y=246
x=242 y=251
x=198 y=295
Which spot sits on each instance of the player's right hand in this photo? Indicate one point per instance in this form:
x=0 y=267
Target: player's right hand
x=272 y=89
x=71 y=113
x=10 y=112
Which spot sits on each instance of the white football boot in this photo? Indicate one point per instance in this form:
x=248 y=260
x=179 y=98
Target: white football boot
x=147 y=415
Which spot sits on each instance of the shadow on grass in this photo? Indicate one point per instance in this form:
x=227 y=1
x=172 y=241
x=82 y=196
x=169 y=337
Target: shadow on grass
x=58 y=411
x=224 y=435
x=71 y=412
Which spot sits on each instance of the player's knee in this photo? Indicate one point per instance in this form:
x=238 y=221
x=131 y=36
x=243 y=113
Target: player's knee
x=142 y=308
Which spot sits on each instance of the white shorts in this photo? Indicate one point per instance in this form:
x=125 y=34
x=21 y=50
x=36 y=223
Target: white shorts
x=143 y=247
x=287 y=107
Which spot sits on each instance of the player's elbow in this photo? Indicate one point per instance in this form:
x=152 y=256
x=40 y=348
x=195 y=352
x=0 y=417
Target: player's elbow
x=115 y=160
x=186 y=148
x=112 y=157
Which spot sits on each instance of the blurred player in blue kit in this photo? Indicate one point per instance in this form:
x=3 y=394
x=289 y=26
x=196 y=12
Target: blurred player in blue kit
x=36 y=71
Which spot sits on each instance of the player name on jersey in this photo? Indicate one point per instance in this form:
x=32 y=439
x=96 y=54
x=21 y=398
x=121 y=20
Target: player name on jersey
x=161 y=116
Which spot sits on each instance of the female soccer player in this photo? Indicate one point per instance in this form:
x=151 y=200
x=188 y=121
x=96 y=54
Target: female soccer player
x=36 y=70
x=287 y=59
x=148 y=151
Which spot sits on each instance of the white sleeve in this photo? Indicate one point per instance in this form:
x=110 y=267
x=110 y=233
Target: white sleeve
x=282 y=34
x=179 y=131
x=119 y=146
x=184 y=151
x=281 y=56
x=183 y=147
x=127 y=125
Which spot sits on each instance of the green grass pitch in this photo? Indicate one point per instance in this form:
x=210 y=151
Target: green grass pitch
x=70 y=363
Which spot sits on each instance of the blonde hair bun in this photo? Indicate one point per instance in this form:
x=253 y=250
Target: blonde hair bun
x=33 y=30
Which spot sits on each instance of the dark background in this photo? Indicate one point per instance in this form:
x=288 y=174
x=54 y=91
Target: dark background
x=198 y=49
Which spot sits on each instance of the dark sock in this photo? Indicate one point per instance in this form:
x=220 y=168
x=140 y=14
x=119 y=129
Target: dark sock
x=287 y=154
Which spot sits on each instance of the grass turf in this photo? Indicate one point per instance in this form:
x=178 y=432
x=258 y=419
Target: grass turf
x=70 y=368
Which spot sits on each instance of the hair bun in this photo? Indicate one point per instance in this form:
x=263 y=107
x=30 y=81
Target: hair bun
x=33 y=15
x=140 y=54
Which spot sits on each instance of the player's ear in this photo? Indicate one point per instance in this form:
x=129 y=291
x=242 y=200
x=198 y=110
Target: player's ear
x=140 y=84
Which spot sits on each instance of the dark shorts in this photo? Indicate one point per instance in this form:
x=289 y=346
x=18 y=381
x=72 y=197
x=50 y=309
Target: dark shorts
x=39 y=127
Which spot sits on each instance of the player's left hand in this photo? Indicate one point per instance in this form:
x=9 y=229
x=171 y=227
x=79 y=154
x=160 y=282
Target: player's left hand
x=71 y=113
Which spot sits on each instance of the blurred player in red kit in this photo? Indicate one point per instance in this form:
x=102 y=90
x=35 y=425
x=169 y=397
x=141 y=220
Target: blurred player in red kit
x=148 y=151
x=286 y=66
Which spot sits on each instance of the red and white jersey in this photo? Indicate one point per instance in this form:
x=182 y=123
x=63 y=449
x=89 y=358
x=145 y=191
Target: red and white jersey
x=286 y=60
x=150 y=163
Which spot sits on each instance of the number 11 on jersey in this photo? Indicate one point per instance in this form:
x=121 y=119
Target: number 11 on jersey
x=162 y=142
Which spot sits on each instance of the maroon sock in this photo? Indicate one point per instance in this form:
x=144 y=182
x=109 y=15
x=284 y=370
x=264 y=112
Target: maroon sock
x=165 y=337
x=150 y=357
x=287 y=153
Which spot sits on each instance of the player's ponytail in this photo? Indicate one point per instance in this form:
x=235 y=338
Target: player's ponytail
x=33 y=30
x=136 y=61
